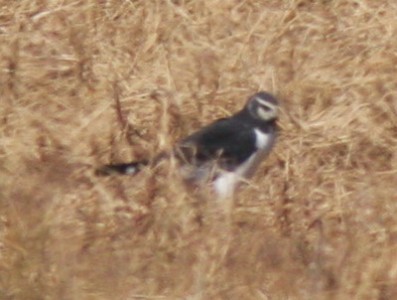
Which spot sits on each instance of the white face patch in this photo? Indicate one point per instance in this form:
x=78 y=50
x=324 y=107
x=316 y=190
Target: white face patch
x=266 y=114
x=266 y=103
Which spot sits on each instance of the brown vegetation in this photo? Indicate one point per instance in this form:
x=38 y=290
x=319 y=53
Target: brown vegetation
x=90 y=82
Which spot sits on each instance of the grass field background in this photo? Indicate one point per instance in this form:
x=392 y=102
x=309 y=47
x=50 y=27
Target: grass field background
x=85 y=83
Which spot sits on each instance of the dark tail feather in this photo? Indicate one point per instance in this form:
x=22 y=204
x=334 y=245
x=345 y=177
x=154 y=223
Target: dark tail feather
x=131 y=168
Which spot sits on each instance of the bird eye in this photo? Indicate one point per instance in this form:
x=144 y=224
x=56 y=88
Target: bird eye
x=266 y=108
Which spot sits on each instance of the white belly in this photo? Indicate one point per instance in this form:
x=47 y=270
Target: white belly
x=263 y=140
x=226 y=183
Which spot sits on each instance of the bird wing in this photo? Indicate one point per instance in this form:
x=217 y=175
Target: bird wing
x=227 y=142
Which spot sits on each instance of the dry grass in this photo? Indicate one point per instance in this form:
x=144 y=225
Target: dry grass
x=89 y=82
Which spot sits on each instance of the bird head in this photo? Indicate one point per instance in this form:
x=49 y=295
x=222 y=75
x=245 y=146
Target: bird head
x=263 y=106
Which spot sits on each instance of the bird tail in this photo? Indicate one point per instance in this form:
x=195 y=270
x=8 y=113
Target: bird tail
x=130 y=168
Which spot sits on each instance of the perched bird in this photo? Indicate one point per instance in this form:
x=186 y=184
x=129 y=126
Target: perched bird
x=225 y=152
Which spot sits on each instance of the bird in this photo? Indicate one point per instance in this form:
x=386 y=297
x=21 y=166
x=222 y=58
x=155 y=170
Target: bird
x=224 y=153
